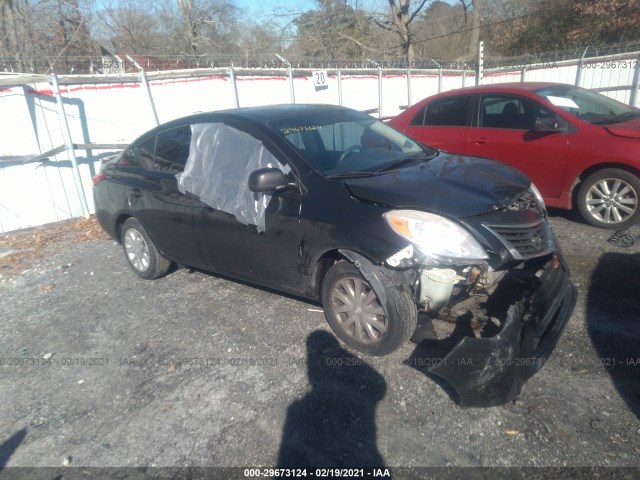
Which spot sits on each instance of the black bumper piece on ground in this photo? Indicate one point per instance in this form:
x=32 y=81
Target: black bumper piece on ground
x=491 y=371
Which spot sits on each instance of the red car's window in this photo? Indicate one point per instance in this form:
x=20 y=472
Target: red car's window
x=451 y=112
x=588 y=106
x=501 y=111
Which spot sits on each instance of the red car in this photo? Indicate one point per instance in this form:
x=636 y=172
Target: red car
x=580 y=148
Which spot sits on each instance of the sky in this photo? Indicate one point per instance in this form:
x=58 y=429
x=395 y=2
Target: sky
x=261 y=10
x=283 y=12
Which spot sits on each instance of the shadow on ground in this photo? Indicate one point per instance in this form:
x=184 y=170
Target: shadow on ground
x=334 y=424
x=613 y=322
x=9 y=446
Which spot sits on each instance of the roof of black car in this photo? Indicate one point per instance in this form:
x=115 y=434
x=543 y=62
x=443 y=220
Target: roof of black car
x=274 y=112
x=255 y=115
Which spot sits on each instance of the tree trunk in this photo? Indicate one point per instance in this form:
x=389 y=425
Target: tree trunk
x=401 y=21
x=190 y=33
x=474 y=37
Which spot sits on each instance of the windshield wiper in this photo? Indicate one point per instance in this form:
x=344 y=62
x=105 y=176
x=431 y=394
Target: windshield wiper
x=618 y=118
x=351 y=175
x=404 y=160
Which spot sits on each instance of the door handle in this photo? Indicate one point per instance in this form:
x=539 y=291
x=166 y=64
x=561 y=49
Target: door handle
x=481 y=140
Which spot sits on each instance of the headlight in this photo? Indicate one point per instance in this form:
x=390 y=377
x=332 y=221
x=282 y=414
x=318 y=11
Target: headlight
x=536 y=193
x=437 y=238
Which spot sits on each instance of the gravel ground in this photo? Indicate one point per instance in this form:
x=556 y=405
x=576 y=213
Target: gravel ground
x=99 y=379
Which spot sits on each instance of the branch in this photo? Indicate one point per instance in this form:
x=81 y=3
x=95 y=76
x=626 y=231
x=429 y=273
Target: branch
x=465 y=7
x=395 y=13
x=417 y=11
x=357 y=42
x=64 y=49
x=385 y=26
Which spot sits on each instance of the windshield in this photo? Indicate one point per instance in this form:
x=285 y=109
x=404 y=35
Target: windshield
x=588 y=106
x=346 y=142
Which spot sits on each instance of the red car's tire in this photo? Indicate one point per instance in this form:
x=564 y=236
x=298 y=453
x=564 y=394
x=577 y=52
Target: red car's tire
x=609 y=198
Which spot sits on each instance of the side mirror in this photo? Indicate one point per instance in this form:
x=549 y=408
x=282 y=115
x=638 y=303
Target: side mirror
x=267 y=180
x=547 y=124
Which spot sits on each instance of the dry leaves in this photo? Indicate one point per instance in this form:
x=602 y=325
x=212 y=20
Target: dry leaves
x=31 y=245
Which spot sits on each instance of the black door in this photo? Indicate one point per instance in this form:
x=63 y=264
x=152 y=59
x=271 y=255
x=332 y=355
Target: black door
x=269 y=255
x=153 y=197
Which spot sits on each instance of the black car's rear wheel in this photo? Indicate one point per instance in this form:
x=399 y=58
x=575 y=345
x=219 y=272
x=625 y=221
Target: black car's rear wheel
x=357 y=316
x=609 y=199
x=141 y=254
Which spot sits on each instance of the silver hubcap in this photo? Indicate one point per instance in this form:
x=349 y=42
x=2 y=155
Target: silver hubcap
x=612 y=200
x=357 y=310
x=137 y=250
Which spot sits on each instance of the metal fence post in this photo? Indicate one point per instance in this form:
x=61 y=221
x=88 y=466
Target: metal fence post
x=409 y=86
x=634 y=85
x=480 y=69
x=580 y=63
x=145 y=84
x=339 y=74
x=53 y=80
x=439 y=75
x=292 y=93
x=464 y=78
x=234 y=87
x=379 y=91
x=523 y=73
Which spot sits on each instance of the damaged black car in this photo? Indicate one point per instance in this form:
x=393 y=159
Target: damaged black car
x=332 y=205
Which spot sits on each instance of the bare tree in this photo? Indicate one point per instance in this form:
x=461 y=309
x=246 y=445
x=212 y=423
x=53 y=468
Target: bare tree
x=402 y=16
x=473 y=8
x=132 y=26
x=439 y=32
x=259 y=39
x=6 y=20
x=205 y=23
x=27 y=34
x=71 y=36
x=333 y=30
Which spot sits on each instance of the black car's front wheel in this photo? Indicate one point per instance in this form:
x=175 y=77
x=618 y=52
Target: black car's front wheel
x=608 y=198
x=357 y=316
x=141 y=254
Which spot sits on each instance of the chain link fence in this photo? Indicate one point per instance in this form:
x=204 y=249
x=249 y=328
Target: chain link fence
x=111 y=63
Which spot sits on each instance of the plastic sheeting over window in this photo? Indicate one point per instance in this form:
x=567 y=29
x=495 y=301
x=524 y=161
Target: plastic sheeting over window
x=221 y=158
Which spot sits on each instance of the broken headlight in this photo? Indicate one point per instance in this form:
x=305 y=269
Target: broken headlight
x=536 y=194
x=439 y=239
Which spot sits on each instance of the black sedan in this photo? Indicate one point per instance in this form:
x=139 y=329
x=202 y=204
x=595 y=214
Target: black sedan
x=329 y=204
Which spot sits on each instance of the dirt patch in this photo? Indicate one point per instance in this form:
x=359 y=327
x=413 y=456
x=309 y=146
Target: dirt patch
x=19 y=251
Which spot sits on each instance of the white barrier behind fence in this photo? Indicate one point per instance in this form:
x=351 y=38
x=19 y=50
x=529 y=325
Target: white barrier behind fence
x=108 y=112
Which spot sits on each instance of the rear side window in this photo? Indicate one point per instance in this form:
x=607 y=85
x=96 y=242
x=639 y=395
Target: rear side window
x=451 y=112
x=145 y=152
x=166 y=152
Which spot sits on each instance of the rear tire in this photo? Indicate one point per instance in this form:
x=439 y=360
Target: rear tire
x=608 y=199
x=142 y=255
x=357 y=317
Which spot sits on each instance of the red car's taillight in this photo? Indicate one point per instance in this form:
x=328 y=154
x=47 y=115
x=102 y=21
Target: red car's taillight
x=98 y=178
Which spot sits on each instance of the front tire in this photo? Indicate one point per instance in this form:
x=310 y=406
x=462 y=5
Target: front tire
x=357 y=317
x=608 y=199
x=141 y=254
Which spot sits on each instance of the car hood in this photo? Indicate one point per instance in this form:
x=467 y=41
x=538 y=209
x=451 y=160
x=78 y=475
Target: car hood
x=629 y=129
x=452 y=185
